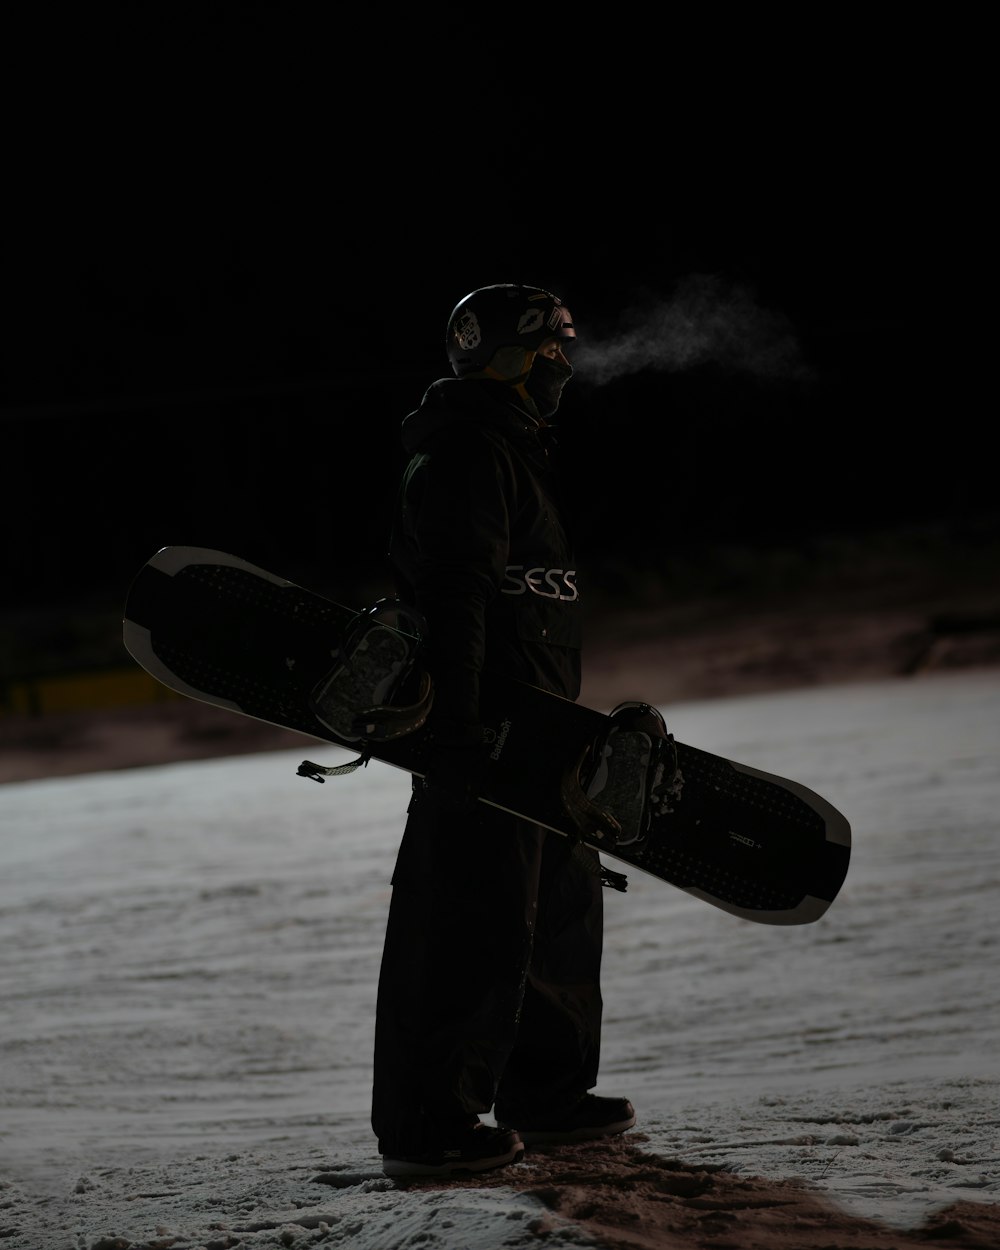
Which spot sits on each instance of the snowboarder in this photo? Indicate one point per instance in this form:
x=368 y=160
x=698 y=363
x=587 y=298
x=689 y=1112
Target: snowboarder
x=489 y=993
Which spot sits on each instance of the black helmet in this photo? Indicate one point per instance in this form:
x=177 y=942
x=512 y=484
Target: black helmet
x=507 y=315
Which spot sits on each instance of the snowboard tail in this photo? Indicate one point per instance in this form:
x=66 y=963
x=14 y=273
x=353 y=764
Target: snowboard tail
x=220 y=630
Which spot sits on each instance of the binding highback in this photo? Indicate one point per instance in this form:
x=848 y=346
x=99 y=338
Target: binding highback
x=357 y=699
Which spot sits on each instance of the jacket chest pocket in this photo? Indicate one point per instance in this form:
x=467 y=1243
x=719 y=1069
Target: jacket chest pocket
x=553 y=621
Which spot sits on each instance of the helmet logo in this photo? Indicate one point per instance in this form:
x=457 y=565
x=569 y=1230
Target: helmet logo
x=530 y=320
x=468 y=332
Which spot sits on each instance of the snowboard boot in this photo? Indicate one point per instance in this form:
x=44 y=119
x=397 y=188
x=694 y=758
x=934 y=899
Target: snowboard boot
x=589 y=1119
x=635 y=775
x=472 y=1148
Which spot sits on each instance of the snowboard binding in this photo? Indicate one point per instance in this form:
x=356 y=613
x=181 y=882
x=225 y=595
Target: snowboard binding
x=629 y=776
x=373 y=663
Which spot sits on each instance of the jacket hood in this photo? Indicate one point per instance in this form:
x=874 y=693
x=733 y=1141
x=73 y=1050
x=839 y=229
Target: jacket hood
x=453 y=402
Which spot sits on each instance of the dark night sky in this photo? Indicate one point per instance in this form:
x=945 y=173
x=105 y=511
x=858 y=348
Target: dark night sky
x=236 y=245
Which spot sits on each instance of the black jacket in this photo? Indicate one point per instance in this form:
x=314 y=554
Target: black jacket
x=479 y=547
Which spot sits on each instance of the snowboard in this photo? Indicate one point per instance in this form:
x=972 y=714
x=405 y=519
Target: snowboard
x=218 y=629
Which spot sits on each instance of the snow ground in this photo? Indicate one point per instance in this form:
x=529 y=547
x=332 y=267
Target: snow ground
x=189 y=956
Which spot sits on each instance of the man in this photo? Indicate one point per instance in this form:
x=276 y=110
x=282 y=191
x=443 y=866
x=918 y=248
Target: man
x=489 y=994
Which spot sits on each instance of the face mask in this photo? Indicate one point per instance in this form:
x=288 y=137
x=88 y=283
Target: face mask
x=545 y=383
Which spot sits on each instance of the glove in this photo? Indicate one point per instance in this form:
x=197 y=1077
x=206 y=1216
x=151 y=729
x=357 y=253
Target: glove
x=454 y=768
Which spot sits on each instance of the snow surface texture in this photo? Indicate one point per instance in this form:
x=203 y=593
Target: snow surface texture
x=189 y=958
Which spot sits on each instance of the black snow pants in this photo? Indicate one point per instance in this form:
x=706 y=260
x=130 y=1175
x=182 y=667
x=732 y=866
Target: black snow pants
x=489 y=994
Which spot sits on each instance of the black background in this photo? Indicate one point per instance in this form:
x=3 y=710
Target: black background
x=236 y=237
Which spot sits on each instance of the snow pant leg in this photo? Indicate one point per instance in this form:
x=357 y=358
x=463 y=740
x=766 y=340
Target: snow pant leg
x=457 y=946
x=557 y=1053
